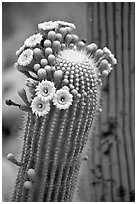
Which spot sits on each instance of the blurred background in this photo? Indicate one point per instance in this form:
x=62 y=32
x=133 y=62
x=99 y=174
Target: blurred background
x=109 y=173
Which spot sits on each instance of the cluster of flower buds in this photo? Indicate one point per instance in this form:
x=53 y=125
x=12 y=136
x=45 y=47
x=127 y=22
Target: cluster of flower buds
x=62 y=67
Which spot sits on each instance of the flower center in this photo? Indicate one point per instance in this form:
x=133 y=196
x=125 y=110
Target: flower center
x=46 y=90
x=62 y=100
x=40 y=105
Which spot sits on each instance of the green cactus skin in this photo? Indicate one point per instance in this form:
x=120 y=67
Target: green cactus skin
x=57 y=129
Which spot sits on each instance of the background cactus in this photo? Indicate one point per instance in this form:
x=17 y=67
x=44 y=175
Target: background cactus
x=64 y=78
x=112 y=166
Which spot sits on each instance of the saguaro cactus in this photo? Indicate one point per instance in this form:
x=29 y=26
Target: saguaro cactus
x=64 y=79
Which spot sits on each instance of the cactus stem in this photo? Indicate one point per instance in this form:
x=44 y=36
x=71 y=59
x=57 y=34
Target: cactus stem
x=72 y=178
x=46 y=159
x=68 y=143
x=74 y=146
x=30 y=155
x=58 y=143
x=38 y=149
x=25 y=153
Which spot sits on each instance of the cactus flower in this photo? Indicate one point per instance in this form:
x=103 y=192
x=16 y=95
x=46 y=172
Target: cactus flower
x=26 y=57
x=45 y=90
x=62 y=99
x=33 y=40
x=64 y=79
x=40 y=107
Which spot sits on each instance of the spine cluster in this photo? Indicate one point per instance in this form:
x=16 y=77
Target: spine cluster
x=64 y=79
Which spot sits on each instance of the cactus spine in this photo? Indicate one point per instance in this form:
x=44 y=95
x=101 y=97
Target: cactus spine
x=64 y=79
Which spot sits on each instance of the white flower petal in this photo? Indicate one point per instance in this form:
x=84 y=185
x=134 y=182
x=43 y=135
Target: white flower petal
x=63 y=23
x=40 y=107
x=26 y=57
x=49 y=25
x=33 y=40
x=62 y=98
x=45 y=90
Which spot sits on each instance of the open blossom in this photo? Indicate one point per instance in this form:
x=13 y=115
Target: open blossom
x=26 y=57
x=45 y=90
x=62 y=98
x=40 y=107
x=63 y=23
x=33 y=40
x=49 y=25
